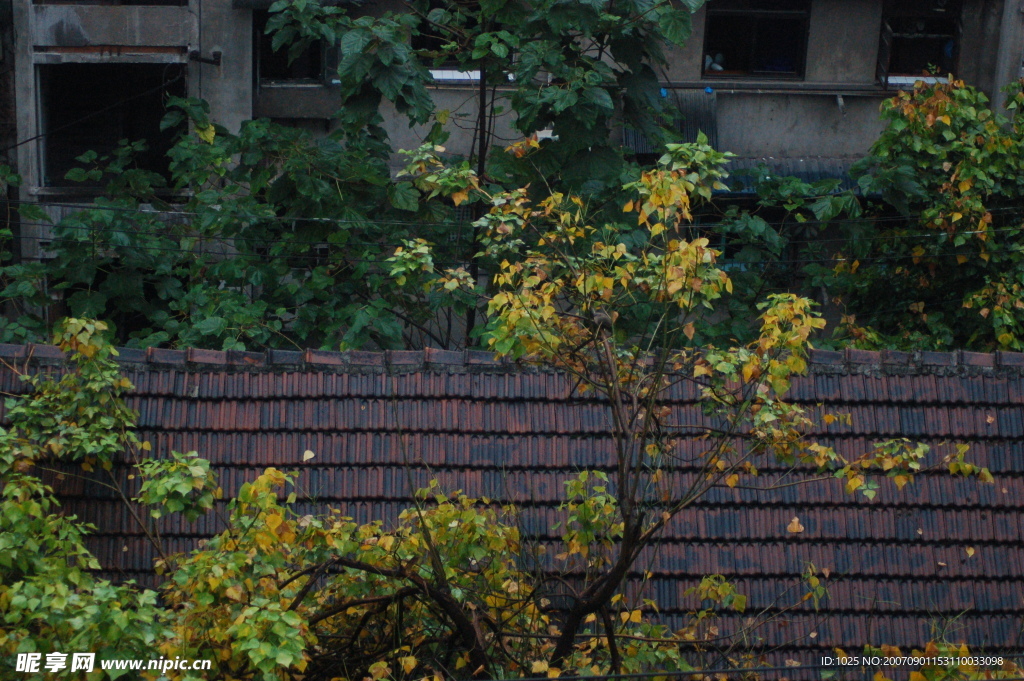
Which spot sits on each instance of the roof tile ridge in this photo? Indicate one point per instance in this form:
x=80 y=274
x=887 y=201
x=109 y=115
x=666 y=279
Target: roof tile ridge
x=919 y=361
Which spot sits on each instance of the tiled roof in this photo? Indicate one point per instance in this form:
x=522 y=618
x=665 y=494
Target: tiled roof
x=899 y=563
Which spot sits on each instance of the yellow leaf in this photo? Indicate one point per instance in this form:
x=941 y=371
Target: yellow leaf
x=634 y=617
x=829 y=418
x=408 y=663
x=688 y=330
x=964 y=185
x=969 y=551
x=748 y=372
x=207 y=134
x=961 y=259
x=732 y=480
x=307 y=455
x=234 y=593
x=957 y=216
x=539 y=667
x=916 y=676
x=794 y=526
x=274 y=521
x=946 y=120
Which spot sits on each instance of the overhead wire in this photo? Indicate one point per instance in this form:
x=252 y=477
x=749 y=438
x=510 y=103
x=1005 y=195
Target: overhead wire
x=1010 y=211
x=326 y=243
x=207 y=246
x=93 y=114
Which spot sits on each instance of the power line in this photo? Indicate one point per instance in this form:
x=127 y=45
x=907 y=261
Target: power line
x=1009 y=211
x=226 y=255
x=724 y=263
x=324 y=243
x=93 y=114
x=240 y=217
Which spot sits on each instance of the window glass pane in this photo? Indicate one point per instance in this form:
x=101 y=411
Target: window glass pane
x=765 y=39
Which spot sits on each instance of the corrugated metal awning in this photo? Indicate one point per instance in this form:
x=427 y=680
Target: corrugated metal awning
x=806 y=168
x=697 y=112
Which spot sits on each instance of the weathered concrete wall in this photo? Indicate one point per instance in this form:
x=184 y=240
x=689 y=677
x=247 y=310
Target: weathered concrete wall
x=755 y=117
x=794 y=124
x=797 y=118
x=83 y=25
x=228 y=87
x=979 y=45
x=684 y=63
x=842 y=43
x=285 y=101
x=461 y=103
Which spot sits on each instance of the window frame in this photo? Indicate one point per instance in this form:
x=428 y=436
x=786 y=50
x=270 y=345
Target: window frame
x=888 y=38
x=719 y=9
x=261 y=41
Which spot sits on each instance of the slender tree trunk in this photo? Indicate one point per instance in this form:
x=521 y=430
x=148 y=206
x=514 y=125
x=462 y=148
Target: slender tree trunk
x=478 y=209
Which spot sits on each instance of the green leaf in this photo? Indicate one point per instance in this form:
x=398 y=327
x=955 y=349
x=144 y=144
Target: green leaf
x=675 y=25
x=212 y=326
x=404 y=196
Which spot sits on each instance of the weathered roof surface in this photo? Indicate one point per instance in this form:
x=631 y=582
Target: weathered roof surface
x=899 y=564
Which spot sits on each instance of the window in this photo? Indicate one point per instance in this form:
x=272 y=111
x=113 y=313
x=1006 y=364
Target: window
x=918 y=37
x=274 y=65
x=765 y=39
x=92 y=107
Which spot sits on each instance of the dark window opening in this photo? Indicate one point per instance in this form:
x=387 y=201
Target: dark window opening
x=919 y=37
x=92 y=107
x=756 y=39
x=274 y=65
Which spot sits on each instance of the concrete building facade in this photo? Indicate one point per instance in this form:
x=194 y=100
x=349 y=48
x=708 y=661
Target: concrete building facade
x=784 y=79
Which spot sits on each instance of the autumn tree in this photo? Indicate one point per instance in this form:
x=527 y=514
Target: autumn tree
x=451 y=589
x=946 y=252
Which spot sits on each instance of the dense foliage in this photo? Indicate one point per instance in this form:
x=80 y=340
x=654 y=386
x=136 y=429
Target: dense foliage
x=274 y=238
x=450 y=589
x=949 y=260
